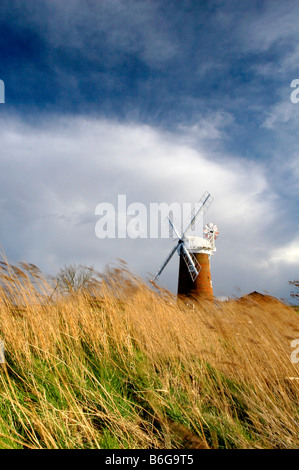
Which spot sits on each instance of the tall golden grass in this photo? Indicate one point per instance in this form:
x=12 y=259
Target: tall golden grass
x=122 y=366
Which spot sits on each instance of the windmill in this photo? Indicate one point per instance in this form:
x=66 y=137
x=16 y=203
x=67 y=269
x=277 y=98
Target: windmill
x=194 y=253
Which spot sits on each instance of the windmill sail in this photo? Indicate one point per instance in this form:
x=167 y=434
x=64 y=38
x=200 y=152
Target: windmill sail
x=191 y=262
x=172 y=226
x=206 y=201
x=166 y=261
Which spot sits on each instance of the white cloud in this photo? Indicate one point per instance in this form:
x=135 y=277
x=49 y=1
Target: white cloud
x=54 y=175
x=288 y=254
x=281 y=113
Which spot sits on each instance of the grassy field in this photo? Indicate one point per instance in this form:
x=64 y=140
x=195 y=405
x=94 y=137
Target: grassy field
x=127 y=367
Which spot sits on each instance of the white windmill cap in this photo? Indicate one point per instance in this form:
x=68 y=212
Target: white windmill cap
x=198 y=243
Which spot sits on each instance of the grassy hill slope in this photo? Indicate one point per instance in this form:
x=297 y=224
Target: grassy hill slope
x=125 y=367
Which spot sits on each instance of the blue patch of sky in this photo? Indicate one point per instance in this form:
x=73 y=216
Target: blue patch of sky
x=208 y=70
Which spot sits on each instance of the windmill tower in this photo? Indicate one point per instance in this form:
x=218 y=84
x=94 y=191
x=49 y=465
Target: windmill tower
x=194 y=252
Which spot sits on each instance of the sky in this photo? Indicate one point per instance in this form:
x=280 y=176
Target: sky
x=160 y=101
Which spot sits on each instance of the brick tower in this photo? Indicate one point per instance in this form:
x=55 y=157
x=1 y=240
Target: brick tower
x=201 y=286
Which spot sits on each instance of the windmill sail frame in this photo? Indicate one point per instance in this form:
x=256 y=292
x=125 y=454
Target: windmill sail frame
x=190 y=260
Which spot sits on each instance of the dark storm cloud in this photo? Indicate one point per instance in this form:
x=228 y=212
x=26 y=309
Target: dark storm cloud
x=163 y=61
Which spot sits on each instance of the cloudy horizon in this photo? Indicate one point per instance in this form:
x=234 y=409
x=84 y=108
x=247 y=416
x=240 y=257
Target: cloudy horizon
x=159 y=101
